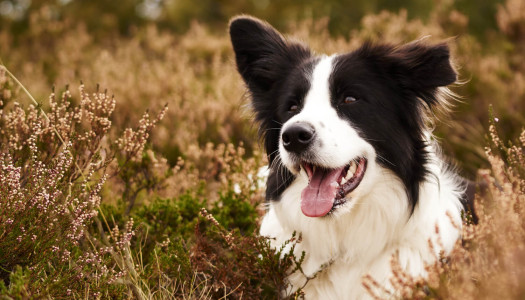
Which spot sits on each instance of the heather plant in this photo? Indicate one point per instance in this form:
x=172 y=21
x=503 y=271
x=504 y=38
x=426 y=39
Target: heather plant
x=44 y=214
x=240 y=266
x=52 y=169
x=172 y=232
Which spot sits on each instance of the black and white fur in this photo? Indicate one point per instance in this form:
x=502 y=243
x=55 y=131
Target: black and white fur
x=370 y=106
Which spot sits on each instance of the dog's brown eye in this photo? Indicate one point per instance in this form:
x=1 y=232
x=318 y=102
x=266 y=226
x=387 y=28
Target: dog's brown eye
x=293 y=108
x=350 y=99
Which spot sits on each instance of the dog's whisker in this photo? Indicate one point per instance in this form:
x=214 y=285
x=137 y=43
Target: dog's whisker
x=383 y=158
x=269 y=129
x=273 y=152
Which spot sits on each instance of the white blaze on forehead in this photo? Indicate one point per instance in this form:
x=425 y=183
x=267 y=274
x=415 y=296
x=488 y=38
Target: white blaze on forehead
x=317 y=100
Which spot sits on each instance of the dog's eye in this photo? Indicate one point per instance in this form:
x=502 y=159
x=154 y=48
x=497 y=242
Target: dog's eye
x=293 y=108
x=350 y=99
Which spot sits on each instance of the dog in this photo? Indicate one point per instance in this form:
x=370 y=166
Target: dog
x=353 y=166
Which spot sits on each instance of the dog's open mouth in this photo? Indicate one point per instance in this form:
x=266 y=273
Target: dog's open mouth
x=327 y=188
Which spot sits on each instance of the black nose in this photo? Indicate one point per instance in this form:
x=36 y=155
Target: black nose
x=298 y=137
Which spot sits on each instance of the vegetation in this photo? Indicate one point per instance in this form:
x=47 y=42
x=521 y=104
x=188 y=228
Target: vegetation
x=154 y=193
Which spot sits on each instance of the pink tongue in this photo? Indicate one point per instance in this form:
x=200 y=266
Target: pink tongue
x=317 y=199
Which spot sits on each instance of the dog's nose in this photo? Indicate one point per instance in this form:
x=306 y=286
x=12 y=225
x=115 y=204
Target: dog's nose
x=298 y=137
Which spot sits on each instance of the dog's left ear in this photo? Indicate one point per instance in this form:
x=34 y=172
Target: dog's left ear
x=423 y=68
x=263 y=56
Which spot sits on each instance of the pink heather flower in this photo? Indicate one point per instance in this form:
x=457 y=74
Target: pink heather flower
x=65 y=255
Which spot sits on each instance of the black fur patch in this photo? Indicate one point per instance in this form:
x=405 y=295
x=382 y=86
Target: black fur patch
x=392 y=87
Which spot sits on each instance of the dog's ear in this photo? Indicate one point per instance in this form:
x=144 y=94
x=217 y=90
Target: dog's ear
x=423 y=68
x=263 y=56
x=428 y=66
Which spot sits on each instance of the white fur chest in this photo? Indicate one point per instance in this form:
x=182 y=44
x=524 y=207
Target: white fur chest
x=341 y=248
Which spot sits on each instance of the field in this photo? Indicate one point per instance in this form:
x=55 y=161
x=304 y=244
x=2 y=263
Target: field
x=129 y=161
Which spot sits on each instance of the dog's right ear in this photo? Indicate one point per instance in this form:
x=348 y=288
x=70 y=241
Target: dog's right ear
x=263 y=56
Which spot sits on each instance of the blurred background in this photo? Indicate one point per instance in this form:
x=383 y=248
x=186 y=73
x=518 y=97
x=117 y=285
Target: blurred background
x=152 y=52
x=102 y=17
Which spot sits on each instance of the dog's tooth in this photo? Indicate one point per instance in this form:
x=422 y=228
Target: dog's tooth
x=351 y=170
x=343 y=180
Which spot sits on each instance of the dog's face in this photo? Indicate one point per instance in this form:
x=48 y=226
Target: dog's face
x=342 y=120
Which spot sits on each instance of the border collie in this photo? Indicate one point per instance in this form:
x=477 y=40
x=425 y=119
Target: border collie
x=354 y=168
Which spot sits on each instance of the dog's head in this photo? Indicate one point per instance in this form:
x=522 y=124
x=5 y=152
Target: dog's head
x=340 y=120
